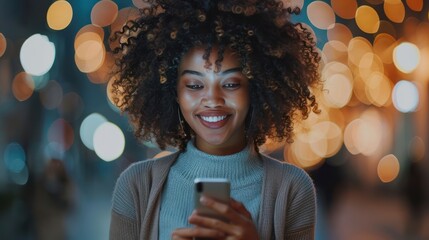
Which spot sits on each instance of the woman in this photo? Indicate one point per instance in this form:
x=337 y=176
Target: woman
x=215 y=79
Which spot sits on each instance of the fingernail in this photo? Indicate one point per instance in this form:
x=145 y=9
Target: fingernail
x=204 y=200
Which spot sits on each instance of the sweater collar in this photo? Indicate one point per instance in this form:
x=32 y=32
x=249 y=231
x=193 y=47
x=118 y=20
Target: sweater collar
x=195 y=163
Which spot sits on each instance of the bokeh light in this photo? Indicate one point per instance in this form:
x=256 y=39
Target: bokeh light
x=335 y=51
x=14 y=157
x=37 y=55
x=333 y=68
x=22 y=86
x=89 y=48
x=59 y=15
x=350 y=133
x=141 y=4
x=338 y=90
x=104 y=13
x=3 y=44
x=88 y=127
x=326 y=139
x=406 y=57
x=90 y=56
x=104 y=72
x=370 y=63
x=344 y=8
x=20 y=178
x=383 y=46
x=88 y=33
x=364 y=135
x=388 y=168
x=109 y=141
x=61 y=132
x=320 y=14
x=357 y=48
x=359 y=90
x=40 y=81
x=54 y=150
x=301 y=154
x=375 y=132
x=415 y=5
x=337 y=84
x=367 y=19
x=378 y=89
x=339 y=32
x=394 y=10
x=51 y=95
x=405 y=96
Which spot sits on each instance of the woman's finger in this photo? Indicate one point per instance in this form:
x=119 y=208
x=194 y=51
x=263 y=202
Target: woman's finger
x=239 y=207
x=190 y=233
x=223 y=209
x=213 y=223
x=239 y=226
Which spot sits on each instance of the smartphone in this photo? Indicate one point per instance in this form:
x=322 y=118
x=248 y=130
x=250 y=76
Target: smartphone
x=216 y=188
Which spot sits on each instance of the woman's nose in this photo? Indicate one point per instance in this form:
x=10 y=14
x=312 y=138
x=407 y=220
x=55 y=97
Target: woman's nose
x=213 y=98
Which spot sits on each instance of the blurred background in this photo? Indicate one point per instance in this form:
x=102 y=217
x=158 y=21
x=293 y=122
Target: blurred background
x=63 y=143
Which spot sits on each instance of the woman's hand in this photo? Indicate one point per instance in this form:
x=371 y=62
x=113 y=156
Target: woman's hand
x=239 y=225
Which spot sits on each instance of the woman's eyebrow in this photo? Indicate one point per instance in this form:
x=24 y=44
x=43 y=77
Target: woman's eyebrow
x=191 y=72
x=200 y=74
x=231 y=70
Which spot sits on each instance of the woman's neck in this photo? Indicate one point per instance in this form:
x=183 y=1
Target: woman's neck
x=222 y=149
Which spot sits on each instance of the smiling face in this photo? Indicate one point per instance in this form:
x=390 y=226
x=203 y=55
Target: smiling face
x=214 y=103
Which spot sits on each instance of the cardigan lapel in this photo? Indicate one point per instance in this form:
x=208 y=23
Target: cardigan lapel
x=159 y=173
x=270 y=185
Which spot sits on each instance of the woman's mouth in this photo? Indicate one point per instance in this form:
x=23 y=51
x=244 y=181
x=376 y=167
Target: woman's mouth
x=213 y=119
x=214 y=122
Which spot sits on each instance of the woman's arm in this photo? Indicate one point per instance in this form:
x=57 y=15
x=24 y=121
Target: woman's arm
x=122 y=227
x=301 y=210
x=123 y=224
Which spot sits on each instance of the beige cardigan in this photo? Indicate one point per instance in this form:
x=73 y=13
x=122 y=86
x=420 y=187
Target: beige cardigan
x=288 y=201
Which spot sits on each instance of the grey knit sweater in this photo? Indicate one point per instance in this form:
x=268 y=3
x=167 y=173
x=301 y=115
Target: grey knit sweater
x=287 y=209
x=243 y=169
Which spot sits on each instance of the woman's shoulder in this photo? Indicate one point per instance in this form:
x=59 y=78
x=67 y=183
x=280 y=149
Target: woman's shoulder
x=285 y=172
x=279 y=165
x=146 y=168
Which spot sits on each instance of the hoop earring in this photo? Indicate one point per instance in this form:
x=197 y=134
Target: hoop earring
x=249 y=124
x=182 y=132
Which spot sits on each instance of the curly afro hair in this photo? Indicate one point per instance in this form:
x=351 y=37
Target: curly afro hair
x=277 y=56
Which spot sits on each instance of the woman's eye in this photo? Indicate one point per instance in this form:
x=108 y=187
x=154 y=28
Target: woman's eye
x=194 y=86
x=231 y=85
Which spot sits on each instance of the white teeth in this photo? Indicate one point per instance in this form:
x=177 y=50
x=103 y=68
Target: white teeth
x=213 y=118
